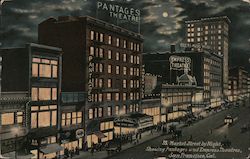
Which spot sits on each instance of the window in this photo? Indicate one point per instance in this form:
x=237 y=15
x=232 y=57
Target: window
x=100 y=67
x=138 y=72
x=35 y=70
x=92 y=51
x=109 y=54
x=117 y=57
x=101 y=53
x=219 y=37
x=109 y=111
x=124 y=44
x=54 y=71
x=117 y=42
x=130 y=108
x=131 y=58
x=117 y=96
x=44 y=94
x=124 y=70
x=124 y=57
x=138 y=60
x=100 y=112
x=92 y=34
x=117 y=110
x=101 y=37
x=90 y=113
x=54 y=93
x=8 y=118
x=109 y=68
x=131 y=83
x=117 y=70
x=131 y=71
x=138 y=47
x=44 y=119
x=124 y=96
x=34 y=94
x=124 y=83
x=109 y=83
x=131 y=45
x=109 y=97
x=100 y=97
x=110 y=40
x=100 y=82
x=131 y=96
x=45 y=70
x=96 y=36
x=124 y=109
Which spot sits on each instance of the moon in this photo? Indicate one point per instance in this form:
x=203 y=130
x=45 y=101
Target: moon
x=165 y=14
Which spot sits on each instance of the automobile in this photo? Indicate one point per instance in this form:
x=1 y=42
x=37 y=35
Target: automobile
x=228 y=120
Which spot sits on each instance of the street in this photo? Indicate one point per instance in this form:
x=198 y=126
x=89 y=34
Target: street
x=208 y=129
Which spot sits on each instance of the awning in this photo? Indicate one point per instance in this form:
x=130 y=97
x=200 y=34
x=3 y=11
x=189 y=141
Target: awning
x=51 y=148
x=99 y=134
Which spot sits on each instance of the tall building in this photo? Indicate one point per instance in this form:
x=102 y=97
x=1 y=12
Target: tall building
x=102 y=60
x=36 y=71
x=238 y=84
x=212 y=34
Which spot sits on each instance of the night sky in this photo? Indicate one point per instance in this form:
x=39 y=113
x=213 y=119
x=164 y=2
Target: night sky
x=161 y=21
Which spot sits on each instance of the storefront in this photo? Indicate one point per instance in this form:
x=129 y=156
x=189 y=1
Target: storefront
x=100 y=132
x=72 y=139
x=133 y=123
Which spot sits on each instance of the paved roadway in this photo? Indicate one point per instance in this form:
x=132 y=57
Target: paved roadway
x=201 y=131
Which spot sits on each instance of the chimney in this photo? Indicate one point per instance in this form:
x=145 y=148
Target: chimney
x=172 y=48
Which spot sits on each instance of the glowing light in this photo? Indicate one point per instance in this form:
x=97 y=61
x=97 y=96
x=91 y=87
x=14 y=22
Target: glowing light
x=165 y=14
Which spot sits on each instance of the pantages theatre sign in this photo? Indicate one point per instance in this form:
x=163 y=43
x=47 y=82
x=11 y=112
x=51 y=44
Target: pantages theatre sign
x=118 y=12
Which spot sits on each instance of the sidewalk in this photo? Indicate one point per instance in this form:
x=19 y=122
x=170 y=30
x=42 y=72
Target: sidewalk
x=104 y=154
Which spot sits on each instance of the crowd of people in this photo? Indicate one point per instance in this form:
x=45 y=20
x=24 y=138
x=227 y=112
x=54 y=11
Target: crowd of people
x=71 y=153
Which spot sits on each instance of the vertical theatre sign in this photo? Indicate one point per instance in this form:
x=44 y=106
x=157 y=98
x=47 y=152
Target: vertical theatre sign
x=180 y=63
x=118 y=12
x=90 y=81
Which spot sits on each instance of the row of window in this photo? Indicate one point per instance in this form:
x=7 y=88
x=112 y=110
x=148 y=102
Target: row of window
x=100 y=97
x=9 y=118
x=100 y=52
x=110 y=40
x=191 y=27
x=100 y=83
x=71 y=118
x=99 y=67
x=119 y=110
x=43 y=119
x=44 y=68
x=38 y=94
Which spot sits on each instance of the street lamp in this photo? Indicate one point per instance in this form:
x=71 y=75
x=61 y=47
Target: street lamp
x=15 y=131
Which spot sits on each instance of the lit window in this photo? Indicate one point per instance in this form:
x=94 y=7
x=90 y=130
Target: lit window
x=44 y=119
x=131 y=96
x=124 y=83
x=117 y=96
x=101 y=83
x=109 y=97
x=206 y=27
x=54 y=93
x=124 y=44
x=131 y=58
x=100 y=112
x=131 y=71
x=109 y=111
x=91 y=51
x=109 y=68
x=131 y=108
x=7 y=118
x=131 y=45
x=109 y=54
x=138 y=60
x=101 y=53
x=101 y=37
x=131 y=83
x=34 y=94
x=219 y=31
x=124 y=57
x=124 y=70
x=45 y=70
x=35 y=70
x=117 y=42
x=92 y=34
x=117 y=70
x=124 y=111
x=96 y=36
x=138 y=47
x=100 y=97
x=101 y=67
x=110 y=40
x=54 y=71
x=109 y=83
x=124 y=96
x=90 y=113
x=34 y=120
x=117 y=110
x=219 y=37
x=117 y=56
x=44 y=94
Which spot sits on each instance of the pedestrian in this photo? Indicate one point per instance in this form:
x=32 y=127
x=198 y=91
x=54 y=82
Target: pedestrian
x=92 y=150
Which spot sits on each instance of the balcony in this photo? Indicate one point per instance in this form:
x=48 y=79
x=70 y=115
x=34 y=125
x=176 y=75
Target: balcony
x=13 y=101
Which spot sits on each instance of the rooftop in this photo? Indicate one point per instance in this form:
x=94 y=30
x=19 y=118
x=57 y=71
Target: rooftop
x=225 y=18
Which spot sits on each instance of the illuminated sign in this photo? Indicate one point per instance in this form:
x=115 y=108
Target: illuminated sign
x=119 y=12
x=90 y=82
x=79 y=133
x=179 y=62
